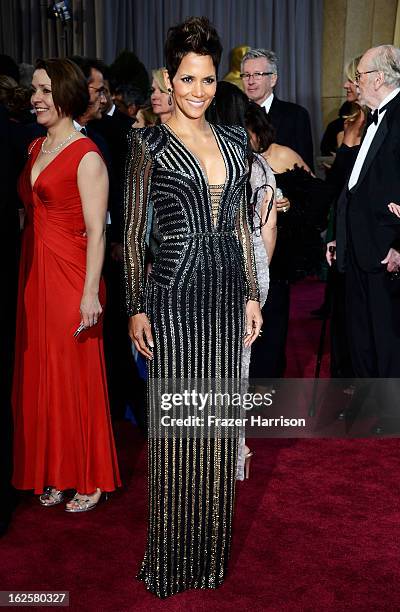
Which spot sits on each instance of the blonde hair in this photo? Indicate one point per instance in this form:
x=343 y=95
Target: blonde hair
x=351 y=68
x=158 y=76
x=149 y=117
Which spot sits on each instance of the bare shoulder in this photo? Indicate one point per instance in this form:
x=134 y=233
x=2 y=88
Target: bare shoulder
x=287 y=157
x=92 y=164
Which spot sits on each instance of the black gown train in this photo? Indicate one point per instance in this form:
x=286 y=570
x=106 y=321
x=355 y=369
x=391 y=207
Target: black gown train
x=195 y=298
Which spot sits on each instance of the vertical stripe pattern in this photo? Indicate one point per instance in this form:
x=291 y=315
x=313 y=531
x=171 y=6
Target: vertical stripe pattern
x=195 y=298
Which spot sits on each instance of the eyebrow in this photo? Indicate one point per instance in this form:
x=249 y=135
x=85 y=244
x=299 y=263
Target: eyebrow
x=209 y=76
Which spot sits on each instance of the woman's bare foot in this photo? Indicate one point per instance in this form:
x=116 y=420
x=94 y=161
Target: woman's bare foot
x=82 y=502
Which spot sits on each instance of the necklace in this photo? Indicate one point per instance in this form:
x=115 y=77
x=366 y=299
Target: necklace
x=48 y=151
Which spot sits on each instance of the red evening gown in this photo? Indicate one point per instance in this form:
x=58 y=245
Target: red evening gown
x=63 y=435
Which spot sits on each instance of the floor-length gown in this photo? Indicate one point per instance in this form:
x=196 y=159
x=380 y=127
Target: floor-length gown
x=63 y=434
x=195 y=299
x=262 y=182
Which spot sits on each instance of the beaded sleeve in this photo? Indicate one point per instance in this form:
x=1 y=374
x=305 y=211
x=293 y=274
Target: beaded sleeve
x=246 y=241
x=137 y=185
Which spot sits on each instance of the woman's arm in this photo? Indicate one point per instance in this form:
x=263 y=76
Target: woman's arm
x=93 y=190
x=269 y=228
x=138 y=173
x=253 y=311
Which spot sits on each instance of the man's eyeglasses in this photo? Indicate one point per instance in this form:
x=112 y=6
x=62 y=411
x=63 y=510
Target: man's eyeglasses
x=257 y=76
x=100 y=91
x=359 y=74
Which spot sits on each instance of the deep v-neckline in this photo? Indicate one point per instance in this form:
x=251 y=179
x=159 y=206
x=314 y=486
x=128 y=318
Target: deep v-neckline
x=195 y=157
x=33 y=185
x=203 y=172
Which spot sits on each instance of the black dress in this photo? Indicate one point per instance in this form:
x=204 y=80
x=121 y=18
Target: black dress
x=195 y=299
x=298 y=252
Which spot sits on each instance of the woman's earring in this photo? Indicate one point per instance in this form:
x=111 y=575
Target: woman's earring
x=169 y=96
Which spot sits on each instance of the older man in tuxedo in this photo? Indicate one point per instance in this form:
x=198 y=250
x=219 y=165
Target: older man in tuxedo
x=368 y=232
x=291 y=121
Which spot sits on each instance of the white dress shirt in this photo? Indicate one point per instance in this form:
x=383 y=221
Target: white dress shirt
x=369 y=136
x=111 y=111
x=267 y=103
x=77 y=125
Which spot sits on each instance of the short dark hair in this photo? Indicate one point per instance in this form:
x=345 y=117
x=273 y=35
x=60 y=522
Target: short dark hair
x=68 y=85
x=229 y=105
x=87 y=63
x=130 y=94
x=194 y=35
x=256 y=121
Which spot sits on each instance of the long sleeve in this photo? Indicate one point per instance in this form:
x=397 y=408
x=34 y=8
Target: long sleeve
x=136 y=205
x=245 y=238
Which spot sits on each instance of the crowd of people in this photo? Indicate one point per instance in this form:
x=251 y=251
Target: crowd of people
x=164 y=223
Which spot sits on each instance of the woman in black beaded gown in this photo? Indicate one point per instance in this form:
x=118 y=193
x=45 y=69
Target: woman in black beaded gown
x=196 y=310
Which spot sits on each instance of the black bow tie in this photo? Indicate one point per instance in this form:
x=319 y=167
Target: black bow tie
x=83 y=130
x=373 y=117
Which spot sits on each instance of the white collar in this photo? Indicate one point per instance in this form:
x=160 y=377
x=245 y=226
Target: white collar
x=77 y=126
x=389 y=97
x=111 y=111
x=267 y=102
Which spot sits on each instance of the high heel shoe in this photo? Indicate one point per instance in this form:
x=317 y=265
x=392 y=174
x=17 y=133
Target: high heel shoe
x=84 y=503
x=247 y=460
x=51 y=497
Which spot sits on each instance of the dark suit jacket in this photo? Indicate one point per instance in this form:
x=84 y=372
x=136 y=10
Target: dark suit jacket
x=292 y=128
x=113 y=132
x=363 y=213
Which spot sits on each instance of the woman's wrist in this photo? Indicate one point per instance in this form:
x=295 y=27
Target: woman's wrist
x=91 y=292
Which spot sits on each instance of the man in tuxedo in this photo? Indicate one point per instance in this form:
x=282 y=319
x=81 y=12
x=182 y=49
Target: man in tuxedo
x=290 y=121
x=367 y=231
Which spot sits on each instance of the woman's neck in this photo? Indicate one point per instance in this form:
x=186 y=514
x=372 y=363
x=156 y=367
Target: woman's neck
x=164 y=117
x=183 y=124
x=61 y=130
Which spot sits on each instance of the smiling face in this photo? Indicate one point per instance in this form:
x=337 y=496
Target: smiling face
x=194 y=85
x=42 y=99
x=159 y=100
x=351 y=90
x=258 y=90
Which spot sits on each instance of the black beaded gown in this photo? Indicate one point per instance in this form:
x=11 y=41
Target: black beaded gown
x=195 y=296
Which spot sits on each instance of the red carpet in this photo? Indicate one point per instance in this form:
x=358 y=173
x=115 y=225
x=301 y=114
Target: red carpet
x=317 y=526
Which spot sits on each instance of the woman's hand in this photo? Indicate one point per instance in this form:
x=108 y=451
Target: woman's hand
x=282 y=205
x=139 y=330
x=90 y=309
x=330 y=253
x=394 y=208
x=254 y=322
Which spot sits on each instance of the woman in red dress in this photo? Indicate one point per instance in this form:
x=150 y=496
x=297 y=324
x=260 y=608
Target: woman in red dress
x=63 y=434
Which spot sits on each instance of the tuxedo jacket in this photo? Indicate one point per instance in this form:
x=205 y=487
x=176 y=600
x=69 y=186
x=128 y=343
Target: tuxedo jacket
x=111 y=133
x=292 y=128
x=363 y=216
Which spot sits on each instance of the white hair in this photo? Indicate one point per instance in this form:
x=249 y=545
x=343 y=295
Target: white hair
x=387 y=60
x=270 y=56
